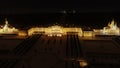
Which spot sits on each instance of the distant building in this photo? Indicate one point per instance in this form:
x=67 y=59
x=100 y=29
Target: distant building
x=55 y=30
x=88 y=33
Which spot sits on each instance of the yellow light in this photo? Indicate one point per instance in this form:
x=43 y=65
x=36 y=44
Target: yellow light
x=8 y=30
x=88 y=33
x=83 y=63
x=111 y=29
x=55 y=30
x=22 y=34
x=50 y=35
x=59 y=35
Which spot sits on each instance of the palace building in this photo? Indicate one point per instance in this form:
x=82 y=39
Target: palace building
x=55 y=30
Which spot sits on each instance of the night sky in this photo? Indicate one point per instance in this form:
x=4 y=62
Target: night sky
x=36 y=12
x=36 y=6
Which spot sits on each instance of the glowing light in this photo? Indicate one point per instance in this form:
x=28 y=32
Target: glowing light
x=83 y=63
x=59 y=35
x=7 y=29
x=49 y=34
x=55 y=30
x=36 y=30
x=111 y=29
x=22 y=33
x=88 y=33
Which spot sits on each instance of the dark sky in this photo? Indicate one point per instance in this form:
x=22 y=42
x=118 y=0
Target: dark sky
x=36 y=6
x=89 y=11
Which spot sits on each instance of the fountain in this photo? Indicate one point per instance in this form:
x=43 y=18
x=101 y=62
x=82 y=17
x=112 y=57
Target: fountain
x=7 y=29
x=111 y=29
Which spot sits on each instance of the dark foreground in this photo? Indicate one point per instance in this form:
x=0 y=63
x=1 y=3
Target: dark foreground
x=40 y=51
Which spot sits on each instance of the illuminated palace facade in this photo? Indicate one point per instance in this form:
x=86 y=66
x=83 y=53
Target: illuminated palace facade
x=59 y=31
x=55 y=30
x=110 y=29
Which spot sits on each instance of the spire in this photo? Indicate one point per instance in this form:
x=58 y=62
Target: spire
x=6 y=27
x=6 y=22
